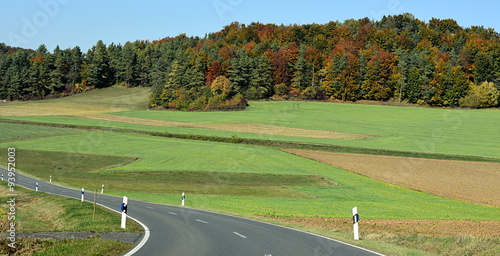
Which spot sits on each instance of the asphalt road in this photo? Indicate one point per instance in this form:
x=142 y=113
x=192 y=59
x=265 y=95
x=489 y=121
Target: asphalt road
x=176 y=230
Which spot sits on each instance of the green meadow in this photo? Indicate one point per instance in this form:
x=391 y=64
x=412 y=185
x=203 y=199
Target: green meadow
x=156 y=156
x=447 y=131
x=415 y=129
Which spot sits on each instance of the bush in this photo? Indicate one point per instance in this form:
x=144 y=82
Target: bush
x=281 y=90
x=313 y=93
x=481 y=96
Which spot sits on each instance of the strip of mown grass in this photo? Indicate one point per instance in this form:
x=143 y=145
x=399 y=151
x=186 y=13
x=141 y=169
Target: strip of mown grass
x=17 y=132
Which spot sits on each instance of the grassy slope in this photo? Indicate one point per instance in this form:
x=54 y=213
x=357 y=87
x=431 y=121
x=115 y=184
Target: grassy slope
x=131 y=98
x=86 y=170
x=377 y=199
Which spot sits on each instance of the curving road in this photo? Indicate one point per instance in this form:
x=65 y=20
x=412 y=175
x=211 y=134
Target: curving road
x=172 y=230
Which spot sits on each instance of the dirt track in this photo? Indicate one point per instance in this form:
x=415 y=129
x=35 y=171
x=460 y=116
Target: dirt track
x=474 y=182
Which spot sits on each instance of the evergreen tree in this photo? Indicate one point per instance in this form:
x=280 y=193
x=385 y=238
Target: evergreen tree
x=76 y=64
x=99 y=73
x=128 y=72
x=301 y=75
x=260 y=79
x=240 y=71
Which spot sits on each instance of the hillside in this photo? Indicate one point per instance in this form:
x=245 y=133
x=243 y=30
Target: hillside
x=398 y=58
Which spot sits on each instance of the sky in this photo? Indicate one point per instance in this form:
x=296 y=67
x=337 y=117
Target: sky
x=70 y=23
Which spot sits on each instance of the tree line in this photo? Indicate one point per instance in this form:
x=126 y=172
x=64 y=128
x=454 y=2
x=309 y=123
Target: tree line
x=398 y=58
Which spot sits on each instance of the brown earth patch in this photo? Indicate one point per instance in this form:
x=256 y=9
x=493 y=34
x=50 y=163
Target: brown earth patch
x=430 y=228
x=475 y=182
x=236 y=127
x=53 y=109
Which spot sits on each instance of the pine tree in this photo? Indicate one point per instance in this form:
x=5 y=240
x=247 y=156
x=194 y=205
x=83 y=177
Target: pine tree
x=302 y=71
x=99 y=74
x=129 y=68
x=260 y=79
x=76 y=65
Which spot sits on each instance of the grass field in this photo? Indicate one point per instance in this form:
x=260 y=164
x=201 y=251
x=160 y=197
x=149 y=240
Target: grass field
x=93 y=102
x=447 y=131
x=86 y=170
x=156 y=155
x=251 y=180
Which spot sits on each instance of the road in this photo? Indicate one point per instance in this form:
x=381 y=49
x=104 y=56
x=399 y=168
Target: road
x=176 y=230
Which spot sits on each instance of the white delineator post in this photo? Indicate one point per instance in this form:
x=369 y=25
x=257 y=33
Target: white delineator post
x=50 y=180
x=102 y=188
x=355 y=220
x=183 y=197
x=124 y=211
x=36 y=189
x=83 y=194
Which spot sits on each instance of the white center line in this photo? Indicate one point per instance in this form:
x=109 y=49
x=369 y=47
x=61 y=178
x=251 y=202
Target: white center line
x=201 y=221
x=239 y=234
x=173 y=213
x=150 y=207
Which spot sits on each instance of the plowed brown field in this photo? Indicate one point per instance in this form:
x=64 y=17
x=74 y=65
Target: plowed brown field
x=475 y=182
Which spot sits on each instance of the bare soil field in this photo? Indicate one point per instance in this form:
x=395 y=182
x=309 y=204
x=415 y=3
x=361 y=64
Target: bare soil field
x=236 y=127
x=430 y=228
x=474 y=182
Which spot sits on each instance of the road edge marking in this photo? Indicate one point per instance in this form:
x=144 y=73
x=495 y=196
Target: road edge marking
x=145 y=238
x=240 y=235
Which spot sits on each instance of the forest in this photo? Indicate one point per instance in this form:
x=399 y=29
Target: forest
x=398 y=58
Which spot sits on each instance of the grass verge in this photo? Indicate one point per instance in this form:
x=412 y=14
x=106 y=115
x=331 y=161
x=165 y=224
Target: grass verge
x=76 y=247
x=402 y=245
x=39 y=212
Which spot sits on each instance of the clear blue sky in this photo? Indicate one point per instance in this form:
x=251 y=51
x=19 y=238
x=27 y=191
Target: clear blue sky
x=67 y=23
